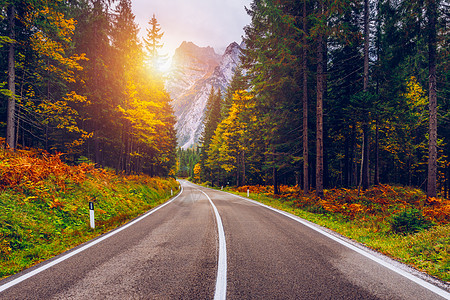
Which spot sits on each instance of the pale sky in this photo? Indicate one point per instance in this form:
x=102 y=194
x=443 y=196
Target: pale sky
x=215 y=23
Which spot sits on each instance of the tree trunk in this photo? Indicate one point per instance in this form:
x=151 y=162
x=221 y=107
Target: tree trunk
x=97 y=148
x=362 y=166
x=366 y=45
x=432 y=150
x=305 y=105
x=46 y=138
x=365 y=127
x=243 y=167
x=365 y=158
x=238 y=162
x=324 y=125
x=447 y=189
x=347 y=163
x=276 y=191
x=10 y=123
x=319 y=113
x=354 y=165
x=18 y=114
x=376 y=180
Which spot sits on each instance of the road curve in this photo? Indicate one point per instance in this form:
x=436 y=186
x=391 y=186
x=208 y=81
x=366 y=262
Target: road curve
x=170 y=254
x=173 y=253
x=274 y=256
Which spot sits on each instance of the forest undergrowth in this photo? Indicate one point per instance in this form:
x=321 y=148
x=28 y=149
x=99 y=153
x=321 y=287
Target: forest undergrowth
x=44 y=207
x=398 y=221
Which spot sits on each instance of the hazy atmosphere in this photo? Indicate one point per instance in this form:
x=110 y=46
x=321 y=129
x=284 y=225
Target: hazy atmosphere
x=213 y=23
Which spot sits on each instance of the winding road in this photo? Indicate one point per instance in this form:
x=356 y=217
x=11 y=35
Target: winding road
x=208 y=244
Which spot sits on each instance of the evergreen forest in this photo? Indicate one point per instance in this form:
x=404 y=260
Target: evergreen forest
x=77 y=79
x=335 y=94
x=329 y=94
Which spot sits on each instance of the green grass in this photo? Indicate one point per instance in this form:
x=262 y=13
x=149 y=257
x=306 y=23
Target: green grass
x=427 y=250
x=42 y=220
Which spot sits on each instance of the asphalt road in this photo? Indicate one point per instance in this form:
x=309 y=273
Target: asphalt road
x=179 y=252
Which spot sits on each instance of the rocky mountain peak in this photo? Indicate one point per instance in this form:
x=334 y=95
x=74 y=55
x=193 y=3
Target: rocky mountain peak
x=189 y=64
x=194 y=71
x=191 y=54
x=232 y=48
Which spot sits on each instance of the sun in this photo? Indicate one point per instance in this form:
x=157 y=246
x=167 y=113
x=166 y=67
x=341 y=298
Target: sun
x=161 y=66
x=164 y=64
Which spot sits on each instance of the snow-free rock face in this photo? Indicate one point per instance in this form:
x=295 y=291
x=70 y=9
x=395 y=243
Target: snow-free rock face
x=194 y=71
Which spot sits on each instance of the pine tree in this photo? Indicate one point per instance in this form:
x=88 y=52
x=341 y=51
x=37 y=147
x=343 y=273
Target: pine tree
x=212 y=119
x=11 y=122
x=305 y=132
x=238 y=82
x=127 y=56
x=345 y=67
x=153 y=42
x=272 y=59
x=319 y=104
x=279 y=58
x=99 y=115
x=230 y=141
x=41 y=69
x=432 y=154
x=62 y=99
x=365 y=126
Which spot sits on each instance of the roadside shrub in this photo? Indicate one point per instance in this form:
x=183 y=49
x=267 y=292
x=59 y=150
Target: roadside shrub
x=84 y=160
x=43 y=204
x=409 y=221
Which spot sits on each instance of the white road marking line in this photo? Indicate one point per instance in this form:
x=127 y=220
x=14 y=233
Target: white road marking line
x=75 y=252
x=391 y=267
x=221 y=281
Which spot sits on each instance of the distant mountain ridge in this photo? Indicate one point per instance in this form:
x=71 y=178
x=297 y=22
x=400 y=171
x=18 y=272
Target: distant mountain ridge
x=194 y=71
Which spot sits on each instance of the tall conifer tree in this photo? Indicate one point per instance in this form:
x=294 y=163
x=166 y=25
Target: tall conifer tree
x=305 y=99
x=365 y=126
x=11 y=120
x=153 y=41
x=212 y=119
x=432 y=96
x=319 y=102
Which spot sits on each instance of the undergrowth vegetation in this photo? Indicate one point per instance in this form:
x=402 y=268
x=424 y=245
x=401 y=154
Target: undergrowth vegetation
x=398 y=221
x=44 y=204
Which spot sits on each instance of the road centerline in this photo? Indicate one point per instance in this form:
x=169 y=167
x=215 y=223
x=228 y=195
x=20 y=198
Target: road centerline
x=221 y=281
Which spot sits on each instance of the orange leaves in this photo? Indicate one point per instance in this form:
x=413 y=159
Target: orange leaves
x=285 y=190
x=5 y=248
x=437 y=210
x=257 y=189
x=56 y=203
x=378 y=202
x=152 y=182
x=197 y=171
x=28 y=169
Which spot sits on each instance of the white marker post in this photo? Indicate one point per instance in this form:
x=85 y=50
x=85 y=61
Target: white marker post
x=248 y=192
x=91 y=214
x=171 y=192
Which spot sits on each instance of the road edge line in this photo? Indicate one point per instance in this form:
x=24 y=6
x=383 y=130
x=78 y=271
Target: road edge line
x=81 y=249
x=431 y=287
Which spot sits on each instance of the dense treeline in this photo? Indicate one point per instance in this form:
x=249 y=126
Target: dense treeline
x=78 y=80
x=186 y=162
x=337 y=94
